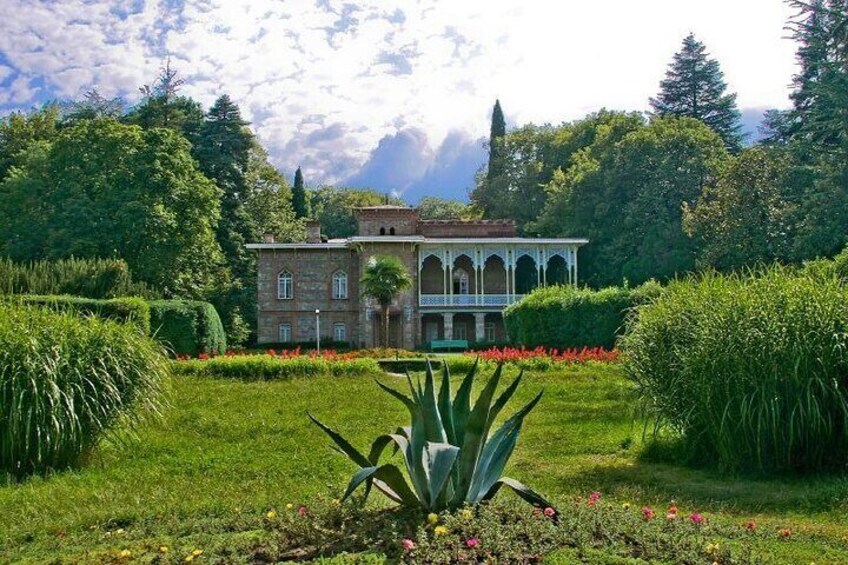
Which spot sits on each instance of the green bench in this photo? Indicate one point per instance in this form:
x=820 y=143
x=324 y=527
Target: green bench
x=461 y=344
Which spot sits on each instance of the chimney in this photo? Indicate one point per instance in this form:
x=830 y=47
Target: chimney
x=313 y=231
x=268 y=237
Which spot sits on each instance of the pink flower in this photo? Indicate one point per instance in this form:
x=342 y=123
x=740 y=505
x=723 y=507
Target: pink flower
x=302 y=511
x=647 y=513
x=670 y=516
x=550 y=512
x=697 y=518
x=407 y=544
x=595 y=496
x=472 y=542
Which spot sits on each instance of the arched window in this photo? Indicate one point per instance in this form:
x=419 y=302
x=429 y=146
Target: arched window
x=460 y=281
x=285 y=286
x=339 y=285
x=391 y=231
x=382 y=231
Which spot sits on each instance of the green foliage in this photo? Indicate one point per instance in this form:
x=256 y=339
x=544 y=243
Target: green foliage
x=19 y=130
x=448 y=455
x=268 y=368
x=91 y=278
x=384 y=278
x=103 y=189
x=334 y=208
x=750 y=214
x=299 y=203
x=64 y=381
x=434 y=208
x=749 y=371
x=187 y=327
x=565 y=316
x=496 y=135
x=626 y=191
x=125 y=310
x=694 y=87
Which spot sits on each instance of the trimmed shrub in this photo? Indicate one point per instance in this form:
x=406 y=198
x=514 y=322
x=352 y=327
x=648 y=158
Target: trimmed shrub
x=124 y=310
x=565 y=316
x=267 y=367
x=91 y=278
x=749 y=371
x=65 y=380
x=187 y=327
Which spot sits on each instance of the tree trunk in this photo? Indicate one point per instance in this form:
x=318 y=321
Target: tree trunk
x=386 y=326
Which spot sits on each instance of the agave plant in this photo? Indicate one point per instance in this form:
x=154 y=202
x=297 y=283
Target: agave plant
x=450 y=458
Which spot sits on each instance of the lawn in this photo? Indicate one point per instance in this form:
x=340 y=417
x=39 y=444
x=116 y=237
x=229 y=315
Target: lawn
x=229 y=451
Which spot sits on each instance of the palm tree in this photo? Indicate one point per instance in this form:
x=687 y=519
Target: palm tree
x=385 y=277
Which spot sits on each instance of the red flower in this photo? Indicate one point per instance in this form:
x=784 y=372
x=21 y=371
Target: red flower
x=647 y=513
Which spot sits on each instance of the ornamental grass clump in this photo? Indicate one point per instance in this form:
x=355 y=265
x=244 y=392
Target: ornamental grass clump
x=449 y=455
x=748 y=371
x=65 y=380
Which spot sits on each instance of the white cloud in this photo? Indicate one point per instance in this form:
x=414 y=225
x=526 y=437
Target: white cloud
x=302 y=70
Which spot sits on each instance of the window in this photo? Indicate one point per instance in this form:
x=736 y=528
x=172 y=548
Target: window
x=340 y=285
x=339 y=332
x=382 y=231
x=460 y=281
x=460 y=331
x=490 y=331
x=285 y=333
x=285 y=286
x=391 y=231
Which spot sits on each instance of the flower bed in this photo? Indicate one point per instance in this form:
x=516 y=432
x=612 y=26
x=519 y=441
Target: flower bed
x=275 y=365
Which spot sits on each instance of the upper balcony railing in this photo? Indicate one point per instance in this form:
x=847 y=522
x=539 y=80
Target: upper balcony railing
x=468 y=299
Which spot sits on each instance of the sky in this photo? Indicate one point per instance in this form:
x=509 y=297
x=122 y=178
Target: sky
x=390 y=94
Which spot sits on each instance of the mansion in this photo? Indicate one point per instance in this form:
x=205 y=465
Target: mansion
x=464 y=273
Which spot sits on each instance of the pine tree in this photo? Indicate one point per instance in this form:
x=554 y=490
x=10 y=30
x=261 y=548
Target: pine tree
x=301 y=209
x=496 y=135
x=694 y=86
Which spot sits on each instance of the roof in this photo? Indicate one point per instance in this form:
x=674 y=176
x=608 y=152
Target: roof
x=344 y=243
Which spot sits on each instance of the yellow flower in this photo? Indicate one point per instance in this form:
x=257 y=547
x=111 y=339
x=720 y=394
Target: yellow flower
x=336 y=502
x=432 y=518
x=440 y=530
x=189 y=559
x=271 y=514
x=119 y=531
x=712 y=548
x=124 y=553
x=197 y=552
x=626 y=506
x=289 y=506
x=163 y=549
x=466 y=514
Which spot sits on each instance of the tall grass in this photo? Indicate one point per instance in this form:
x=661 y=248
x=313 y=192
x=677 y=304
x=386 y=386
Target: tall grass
x=751 y=371
x=65 y=380
x=268 y=367
x=91 y=278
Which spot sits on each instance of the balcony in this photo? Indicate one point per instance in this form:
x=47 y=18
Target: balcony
x=442 y=300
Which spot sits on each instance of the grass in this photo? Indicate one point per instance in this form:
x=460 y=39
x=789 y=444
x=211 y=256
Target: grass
x=229 y=451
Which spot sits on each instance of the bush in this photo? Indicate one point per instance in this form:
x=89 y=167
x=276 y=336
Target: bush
x=91 y=278
x=124 y=310
x=268 y=367
x=187 y=327
x=750 y=371
x=566 y=316
x=65 y=380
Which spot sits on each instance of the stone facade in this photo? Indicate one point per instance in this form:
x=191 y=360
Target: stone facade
x=464 y=273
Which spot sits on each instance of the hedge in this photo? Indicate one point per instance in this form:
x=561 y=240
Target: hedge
x=91 y=278
x=565 y=316
x=187 y=327
x=133 y=310
x=268 y=367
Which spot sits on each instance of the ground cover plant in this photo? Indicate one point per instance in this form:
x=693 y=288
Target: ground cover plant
x=749 y=371
x=130 y=310
x=448 y=454
x=228 y=470
x=65 y=381
x=275 y=365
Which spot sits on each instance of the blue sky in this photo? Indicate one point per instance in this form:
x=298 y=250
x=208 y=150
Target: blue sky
x=388 y=94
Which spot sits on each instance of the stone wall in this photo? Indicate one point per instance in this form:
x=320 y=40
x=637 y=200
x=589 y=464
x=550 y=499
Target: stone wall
x=467 y=228
x=382 y=220
x=312 y=271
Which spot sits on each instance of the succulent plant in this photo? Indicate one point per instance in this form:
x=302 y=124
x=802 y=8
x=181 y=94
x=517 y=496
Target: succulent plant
x=450 y=457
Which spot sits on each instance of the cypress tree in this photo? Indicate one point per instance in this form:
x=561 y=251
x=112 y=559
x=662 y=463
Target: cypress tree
x=496 y=135
x=694 y=86
x=299 y=196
